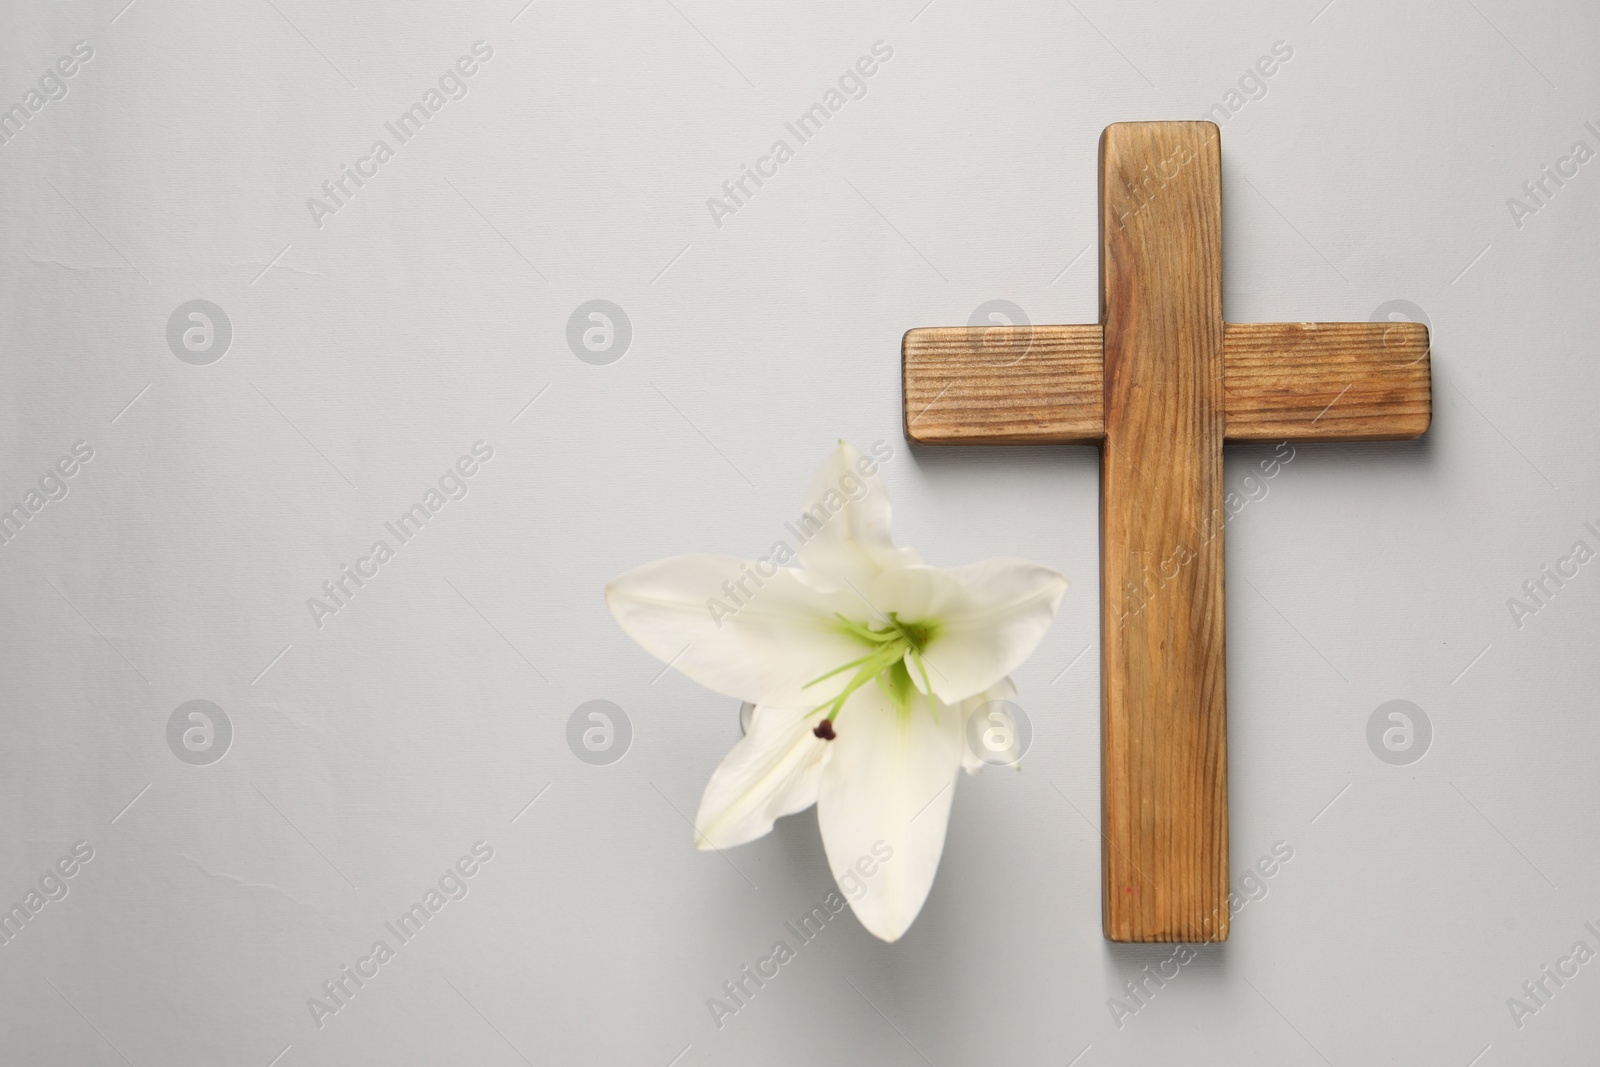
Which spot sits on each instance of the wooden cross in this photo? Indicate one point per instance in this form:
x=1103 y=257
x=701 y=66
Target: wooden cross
x=1159 y=384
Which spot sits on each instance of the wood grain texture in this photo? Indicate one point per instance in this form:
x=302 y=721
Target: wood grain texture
x=1003 y=384
x=1318 y=381
x=1327 y=381
x=1163 y=715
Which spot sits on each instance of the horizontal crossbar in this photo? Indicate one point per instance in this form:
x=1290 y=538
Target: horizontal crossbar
x=1304 y=381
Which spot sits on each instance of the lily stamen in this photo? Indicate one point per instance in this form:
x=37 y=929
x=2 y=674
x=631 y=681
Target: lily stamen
x=892 y=645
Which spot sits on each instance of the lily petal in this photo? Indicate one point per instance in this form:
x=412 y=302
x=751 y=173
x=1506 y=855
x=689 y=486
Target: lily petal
x=884 y=803
x=849 y=510
x=773 y=771
x=766 y=651
x=990 y=617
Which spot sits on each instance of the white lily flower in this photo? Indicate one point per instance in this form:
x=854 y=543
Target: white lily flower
x=863 y=664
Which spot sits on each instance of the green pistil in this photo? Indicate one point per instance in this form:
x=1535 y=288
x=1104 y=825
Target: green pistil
x=885 y=662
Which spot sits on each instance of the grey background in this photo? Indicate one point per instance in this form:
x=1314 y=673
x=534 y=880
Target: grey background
x=370 y=353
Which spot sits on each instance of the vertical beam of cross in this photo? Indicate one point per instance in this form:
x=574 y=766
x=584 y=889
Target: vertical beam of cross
x=1163 y=706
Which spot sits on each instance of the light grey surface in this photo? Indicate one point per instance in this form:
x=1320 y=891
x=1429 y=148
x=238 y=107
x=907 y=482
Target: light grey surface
x=367 y=355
